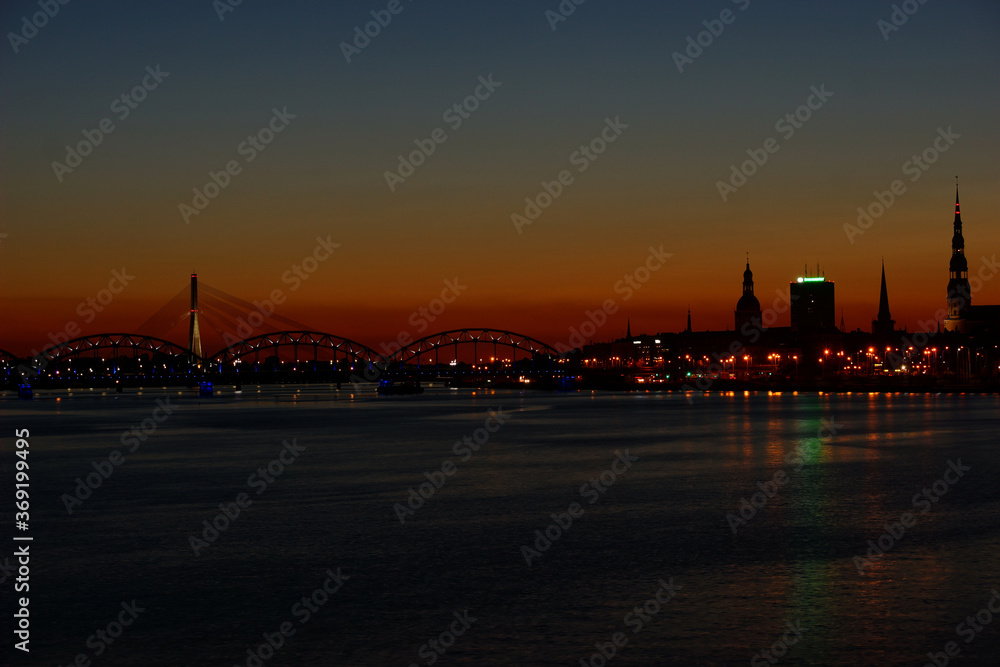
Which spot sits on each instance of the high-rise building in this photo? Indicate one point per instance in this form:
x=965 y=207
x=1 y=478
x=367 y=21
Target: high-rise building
x=813 y=305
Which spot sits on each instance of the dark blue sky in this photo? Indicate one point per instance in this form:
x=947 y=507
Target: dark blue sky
x=657 y=185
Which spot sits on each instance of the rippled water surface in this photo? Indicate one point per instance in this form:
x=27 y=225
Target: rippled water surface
x=837 y=468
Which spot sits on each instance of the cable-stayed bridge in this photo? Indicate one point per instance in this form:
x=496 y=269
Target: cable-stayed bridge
x=251 y=341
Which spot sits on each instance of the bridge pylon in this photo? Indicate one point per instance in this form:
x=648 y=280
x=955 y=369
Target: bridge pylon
x=194 y=335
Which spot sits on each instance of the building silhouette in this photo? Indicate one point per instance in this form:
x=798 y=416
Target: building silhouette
x=959 y=292
x=883 y=325
x=748 y=307
x=813 y=304
x=963 y=317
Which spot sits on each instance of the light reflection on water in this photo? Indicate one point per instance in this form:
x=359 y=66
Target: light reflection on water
x=665 y=517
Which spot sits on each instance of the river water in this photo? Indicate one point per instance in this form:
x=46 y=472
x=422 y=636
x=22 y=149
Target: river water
x=693 y=532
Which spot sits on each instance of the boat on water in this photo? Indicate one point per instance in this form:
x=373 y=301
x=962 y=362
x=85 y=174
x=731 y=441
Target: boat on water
x=401 y=388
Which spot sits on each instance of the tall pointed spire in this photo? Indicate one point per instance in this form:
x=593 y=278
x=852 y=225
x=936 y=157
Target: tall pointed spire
x=883 y=299
x=628 y=330
x=883 y=324
x=959 y=291
x=958 y=211
x=689 y=319
x=957 y=240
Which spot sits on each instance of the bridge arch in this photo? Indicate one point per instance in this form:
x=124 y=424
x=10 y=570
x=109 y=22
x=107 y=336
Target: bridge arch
x=9 y=362
x=113 y=341
x=316 y=340
x=117 y=343
x=493 y=338
x=8 y=357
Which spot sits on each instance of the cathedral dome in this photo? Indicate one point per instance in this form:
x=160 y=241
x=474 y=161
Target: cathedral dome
x=748 y=303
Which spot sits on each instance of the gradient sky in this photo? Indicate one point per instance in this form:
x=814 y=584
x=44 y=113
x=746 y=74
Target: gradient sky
x=324 y=174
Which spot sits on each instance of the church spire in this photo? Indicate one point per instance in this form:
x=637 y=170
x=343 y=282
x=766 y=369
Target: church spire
x=748 y=307
x=883 y=324
x=958 y=211
x=628 y=330
x=959 y=291
x=957 y=240
x=883 y=299
x=689 y=319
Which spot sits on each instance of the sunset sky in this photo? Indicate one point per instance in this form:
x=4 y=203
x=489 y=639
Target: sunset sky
x=324 y=173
